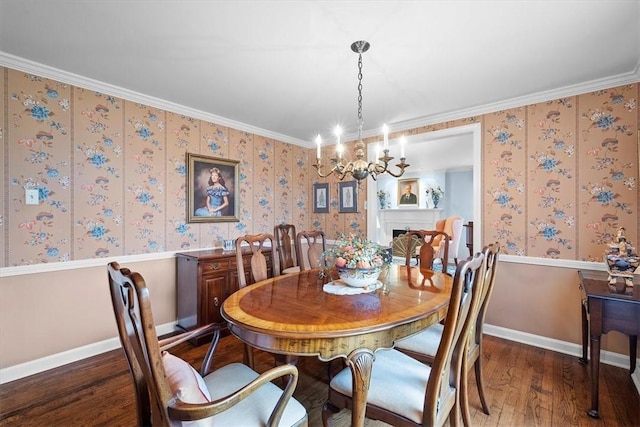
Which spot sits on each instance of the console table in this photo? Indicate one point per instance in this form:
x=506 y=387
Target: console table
x=605 y=308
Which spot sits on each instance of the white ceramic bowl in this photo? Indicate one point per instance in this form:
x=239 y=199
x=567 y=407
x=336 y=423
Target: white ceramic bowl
x=359 y=277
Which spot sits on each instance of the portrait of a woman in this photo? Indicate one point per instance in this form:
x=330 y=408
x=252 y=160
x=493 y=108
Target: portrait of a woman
x=212 y=189
x=217 y=196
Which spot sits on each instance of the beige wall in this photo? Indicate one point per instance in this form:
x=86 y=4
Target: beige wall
x=47 y=313
x=543 y=301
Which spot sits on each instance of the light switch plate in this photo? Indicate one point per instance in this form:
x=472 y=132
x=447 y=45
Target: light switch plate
x=31 y=196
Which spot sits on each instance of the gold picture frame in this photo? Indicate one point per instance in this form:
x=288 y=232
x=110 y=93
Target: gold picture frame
x=408 y=192
x=212 y=199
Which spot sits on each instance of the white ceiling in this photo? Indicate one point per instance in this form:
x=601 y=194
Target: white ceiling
x=286 y=67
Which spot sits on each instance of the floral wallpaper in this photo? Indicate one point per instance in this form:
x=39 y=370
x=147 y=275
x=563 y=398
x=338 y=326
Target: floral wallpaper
x=111 y=176
x=561 y=176
x=558 y=177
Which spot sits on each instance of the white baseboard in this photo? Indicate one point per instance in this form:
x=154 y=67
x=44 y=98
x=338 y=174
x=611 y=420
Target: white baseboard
x=22 y=370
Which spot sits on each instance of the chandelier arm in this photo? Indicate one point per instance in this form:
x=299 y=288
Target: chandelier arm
x=402 y=167
x=319 y=166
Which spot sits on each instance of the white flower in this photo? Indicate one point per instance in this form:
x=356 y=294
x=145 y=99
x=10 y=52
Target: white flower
x=435 y=191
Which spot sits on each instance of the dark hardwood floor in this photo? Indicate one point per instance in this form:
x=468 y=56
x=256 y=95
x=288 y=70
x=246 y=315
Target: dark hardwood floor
x=527 y=386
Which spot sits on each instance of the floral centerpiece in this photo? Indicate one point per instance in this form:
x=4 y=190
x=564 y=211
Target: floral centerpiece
x=382 y=199
x=436 y=194
x=358 y=261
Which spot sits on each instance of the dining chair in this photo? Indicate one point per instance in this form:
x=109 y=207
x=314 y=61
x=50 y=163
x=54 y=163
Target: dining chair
x=423 y=346
x=259 y=270
x=316 y=244
x=406 y=392
x=427 y=253
x=169 y=391
x=288 y=254
x=258 y=267
x=474 y=350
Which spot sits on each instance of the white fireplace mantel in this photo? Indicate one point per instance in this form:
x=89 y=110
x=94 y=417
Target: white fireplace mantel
x=406 y=218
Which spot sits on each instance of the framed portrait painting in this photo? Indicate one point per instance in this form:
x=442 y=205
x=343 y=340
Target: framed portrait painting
x=348 y=197
x=212 y=189
x=408 y=190
x=321 y=198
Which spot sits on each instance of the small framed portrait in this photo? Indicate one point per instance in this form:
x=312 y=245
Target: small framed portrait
x=408 y=191
x=321 y=198
x=212 y=189
x=348 y=197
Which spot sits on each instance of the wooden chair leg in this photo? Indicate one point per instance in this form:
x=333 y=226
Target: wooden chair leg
x=480 y=383
x=464 y=394
x=633 y=348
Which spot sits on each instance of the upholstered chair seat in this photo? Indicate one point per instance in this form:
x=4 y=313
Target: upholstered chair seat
x=398 y=384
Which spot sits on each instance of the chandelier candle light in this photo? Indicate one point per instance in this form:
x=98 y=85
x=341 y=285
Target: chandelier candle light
x=359 y=169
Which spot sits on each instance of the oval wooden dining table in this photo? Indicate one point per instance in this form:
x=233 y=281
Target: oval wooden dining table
x=291 y=314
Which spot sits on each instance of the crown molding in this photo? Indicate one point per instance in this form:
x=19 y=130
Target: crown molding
x=31 y=67
x=46 y=71
x=534 y=98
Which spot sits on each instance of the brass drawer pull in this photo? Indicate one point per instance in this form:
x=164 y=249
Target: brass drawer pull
x=214 y=266
x=216 y=301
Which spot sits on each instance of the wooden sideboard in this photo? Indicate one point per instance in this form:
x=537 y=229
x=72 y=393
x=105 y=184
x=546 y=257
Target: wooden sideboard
x=204 y=279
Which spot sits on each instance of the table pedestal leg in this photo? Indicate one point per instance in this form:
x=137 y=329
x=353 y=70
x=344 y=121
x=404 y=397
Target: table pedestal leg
x=360 y=362
x=595 y=375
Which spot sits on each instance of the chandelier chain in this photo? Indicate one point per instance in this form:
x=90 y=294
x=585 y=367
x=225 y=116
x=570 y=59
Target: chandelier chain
x=360 y=121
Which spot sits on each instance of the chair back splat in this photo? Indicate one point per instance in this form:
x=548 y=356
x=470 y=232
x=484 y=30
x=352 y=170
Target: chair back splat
x=316 y=244
x=287 y=253
x=259 y=268
x=427 y=252
x=169 y=391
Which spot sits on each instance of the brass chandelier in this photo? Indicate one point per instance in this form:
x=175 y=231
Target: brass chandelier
x=359 y=169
